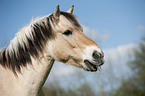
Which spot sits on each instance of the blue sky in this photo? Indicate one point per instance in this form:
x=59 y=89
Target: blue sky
x=120 y=20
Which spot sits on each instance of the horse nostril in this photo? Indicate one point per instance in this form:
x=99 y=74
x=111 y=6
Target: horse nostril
x=97 y=55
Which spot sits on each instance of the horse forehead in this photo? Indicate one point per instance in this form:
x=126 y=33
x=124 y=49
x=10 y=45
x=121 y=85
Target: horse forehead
x=65 y=22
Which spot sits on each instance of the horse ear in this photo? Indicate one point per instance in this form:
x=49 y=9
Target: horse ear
x=71 y=9
x=56 y=13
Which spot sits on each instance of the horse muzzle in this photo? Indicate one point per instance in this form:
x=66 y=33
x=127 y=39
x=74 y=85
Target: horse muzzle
x=96 y=62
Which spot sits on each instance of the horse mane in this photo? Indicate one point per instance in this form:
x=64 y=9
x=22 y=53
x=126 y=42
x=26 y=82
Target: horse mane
x=29 y=42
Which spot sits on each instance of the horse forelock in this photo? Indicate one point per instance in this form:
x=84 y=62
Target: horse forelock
x=27 y=43
x=72 y=19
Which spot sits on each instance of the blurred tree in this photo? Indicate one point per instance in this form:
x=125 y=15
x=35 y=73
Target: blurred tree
x=83 y=90
x=135 y=85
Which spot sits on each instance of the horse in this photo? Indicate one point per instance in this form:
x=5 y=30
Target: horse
x=26 y=62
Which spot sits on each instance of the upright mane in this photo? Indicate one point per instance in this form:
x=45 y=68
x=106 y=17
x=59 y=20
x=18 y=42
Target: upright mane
x=30 y=41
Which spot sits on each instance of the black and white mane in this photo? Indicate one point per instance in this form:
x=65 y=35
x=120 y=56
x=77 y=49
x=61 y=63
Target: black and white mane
x=29 y=42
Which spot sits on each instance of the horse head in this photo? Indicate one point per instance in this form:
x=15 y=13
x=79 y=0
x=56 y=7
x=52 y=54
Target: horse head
x=70 y=45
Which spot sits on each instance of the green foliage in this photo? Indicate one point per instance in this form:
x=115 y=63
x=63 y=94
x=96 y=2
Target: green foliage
x=135 y=86
x=84 y=90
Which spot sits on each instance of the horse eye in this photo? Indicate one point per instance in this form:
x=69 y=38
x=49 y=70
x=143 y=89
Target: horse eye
x=67 y=32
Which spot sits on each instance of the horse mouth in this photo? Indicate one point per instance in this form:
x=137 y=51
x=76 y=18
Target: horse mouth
x=91 y=66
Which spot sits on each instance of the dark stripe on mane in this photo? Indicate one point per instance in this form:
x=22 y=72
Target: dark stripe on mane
x=41 y=32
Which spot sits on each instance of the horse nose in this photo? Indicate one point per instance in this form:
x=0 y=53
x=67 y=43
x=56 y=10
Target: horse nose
x=97 y=55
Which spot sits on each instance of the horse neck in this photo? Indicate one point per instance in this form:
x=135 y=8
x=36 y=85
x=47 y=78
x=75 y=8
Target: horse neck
x=27 y=83
x=34 y=75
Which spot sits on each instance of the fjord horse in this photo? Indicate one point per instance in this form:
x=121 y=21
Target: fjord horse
x=26 y=63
